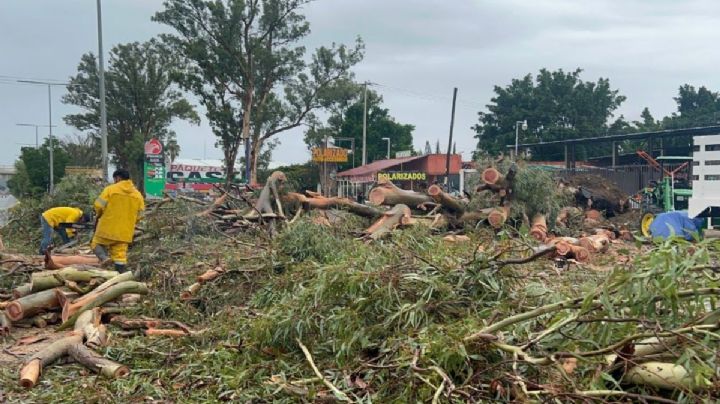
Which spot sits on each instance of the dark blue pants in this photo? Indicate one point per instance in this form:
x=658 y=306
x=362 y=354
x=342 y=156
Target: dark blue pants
x=47 y=233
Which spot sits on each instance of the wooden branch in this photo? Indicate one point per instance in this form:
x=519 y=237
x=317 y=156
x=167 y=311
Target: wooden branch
x=491 y=175
x=52 y=279
x=264 y=203
x=338 y=394
x=597 y=243
x=543 y=251
x=386 y=193
x=98 y=364
x=450 y=204
x=70 y=308
x=314 y=201
x=32 y=368
x=71 y=312
x=191 y=290
x=30 y=305
x=216 y=203
x=538 y=229
x=5 y=324
x=62 y=261
x=159 y=332
x=22 y=290
x=498 y=216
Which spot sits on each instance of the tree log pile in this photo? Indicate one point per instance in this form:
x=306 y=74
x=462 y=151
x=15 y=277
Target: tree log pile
x=73 y=297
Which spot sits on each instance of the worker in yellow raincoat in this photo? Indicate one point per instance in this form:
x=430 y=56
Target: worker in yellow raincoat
x=119 y=207
x=51 y=220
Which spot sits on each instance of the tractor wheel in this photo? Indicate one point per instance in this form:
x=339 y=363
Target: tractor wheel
x=645 y=221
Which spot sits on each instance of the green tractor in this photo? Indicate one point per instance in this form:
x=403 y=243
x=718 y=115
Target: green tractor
x=671 y=192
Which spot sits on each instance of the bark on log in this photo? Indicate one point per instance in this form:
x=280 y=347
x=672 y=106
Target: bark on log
x=450 y=204
x=65 y=296
x=210 y=275
x=30 y=305
x=52 y=279
x=662 y=375
x=22 y=290
x=400 y=214
x=62 y=261
x=538 y=230
x=5 y=324
x=89 y=323
x=498 y=217
x=323 y=203
x=580 y=254
x=124 y=277
x=32 y=369
x=386 y=193
x=165 y=332
x=71 y=311
x=98 y=364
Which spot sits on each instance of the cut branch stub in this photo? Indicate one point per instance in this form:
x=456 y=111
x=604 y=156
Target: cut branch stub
x=72 y=311
x=62 y=261
x=98 y=364
x=538 y=230
x=398 y=215
x=596 y=243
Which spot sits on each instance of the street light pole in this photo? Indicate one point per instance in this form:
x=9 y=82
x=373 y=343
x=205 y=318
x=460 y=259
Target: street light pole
x=37 y=138
x=50 y=125
x=387 y=139
x=103 y=110
x=517 y=126
x=364 y=151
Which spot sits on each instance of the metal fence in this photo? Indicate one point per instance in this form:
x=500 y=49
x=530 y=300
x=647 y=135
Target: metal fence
x=630 y=179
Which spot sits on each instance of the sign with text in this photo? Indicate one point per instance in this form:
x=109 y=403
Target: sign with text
x=154 y=169
x=196 y=173
x=402 y=176
x=329 y=155
x=403 y=153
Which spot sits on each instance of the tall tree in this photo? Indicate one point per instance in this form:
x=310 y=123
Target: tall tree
x=348 y=122
x=33 y=169
x=437 y=147
x=428 y=149
x=83 y=150
x=247 y=67
x=142 y=100
x=556 y=104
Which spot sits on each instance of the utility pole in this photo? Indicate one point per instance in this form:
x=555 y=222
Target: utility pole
x=452 y=124
x=103 y=110
x=364 y=151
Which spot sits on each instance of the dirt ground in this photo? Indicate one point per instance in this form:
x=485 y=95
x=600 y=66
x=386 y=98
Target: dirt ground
x=24 y=342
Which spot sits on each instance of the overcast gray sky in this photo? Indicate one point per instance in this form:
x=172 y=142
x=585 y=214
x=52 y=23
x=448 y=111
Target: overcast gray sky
x=417 y=50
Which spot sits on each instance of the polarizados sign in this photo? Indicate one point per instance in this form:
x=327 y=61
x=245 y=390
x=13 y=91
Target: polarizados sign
x=402 y=176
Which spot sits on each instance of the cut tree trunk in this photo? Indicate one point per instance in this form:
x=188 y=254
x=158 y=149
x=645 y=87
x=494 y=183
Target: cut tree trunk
x=491 y=175
x=210 y=275
x=498 y=216
x=188 y=293
x=62 y=261
x=399 y=215
x=566 y=213
x=450 y=204
x=72 y=311
x=538 y=229
x=269 y=192
x=124 y=277
x=581 y=254
x=386 y=193
x=30 y=305
x=52 y=279
x=98 y=364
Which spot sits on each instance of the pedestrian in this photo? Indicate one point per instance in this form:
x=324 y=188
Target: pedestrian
x=52 y=220
x=119 y=207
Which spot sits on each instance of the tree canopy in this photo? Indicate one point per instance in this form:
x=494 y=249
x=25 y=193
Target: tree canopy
x=556 y=104
x=347 y=121
x=142 y=100
x=32 y=169
x=247 y=66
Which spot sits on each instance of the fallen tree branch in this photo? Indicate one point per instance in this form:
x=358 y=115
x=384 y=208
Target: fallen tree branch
x=338 y=394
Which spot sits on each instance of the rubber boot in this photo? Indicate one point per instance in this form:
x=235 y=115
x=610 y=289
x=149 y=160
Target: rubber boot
x=102 y=254
x=120 y=268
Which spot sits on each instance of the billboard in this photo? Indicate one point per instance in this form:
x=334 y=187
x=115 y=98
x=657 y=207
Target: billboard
x=329 y=155
x=196 y=175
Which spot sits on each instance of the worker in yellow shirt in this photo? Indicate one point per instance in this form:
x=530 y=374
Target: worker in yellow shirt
x=118 y=208
x=51 y=220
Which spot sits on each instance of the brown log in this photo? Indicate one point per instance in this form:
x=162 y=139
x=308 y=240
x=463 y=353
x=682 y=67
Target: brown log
x=70 y=308
x=32 y=304
x=22 y=290
x=72 y=311
x=626 y=235
x=596 y=243
x=580 y=254
x=386 y=193
x=89 y=324
x=491 y=175
x=5 y=324
x=607 y=233
x=165 y=332
x=98 y=364
x=498 y=217
x=565 y=214
x=32 y=368
x=65 y=296
x=399 y=215
x=188 y=293
x=563 y=248
x=62 y=261
x=450 y=204
x=538 y=229
x=210 y=275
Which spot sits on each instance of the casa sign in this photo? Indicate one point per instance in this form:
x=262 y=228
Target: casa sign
x=329 y=155
x=402 y=176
